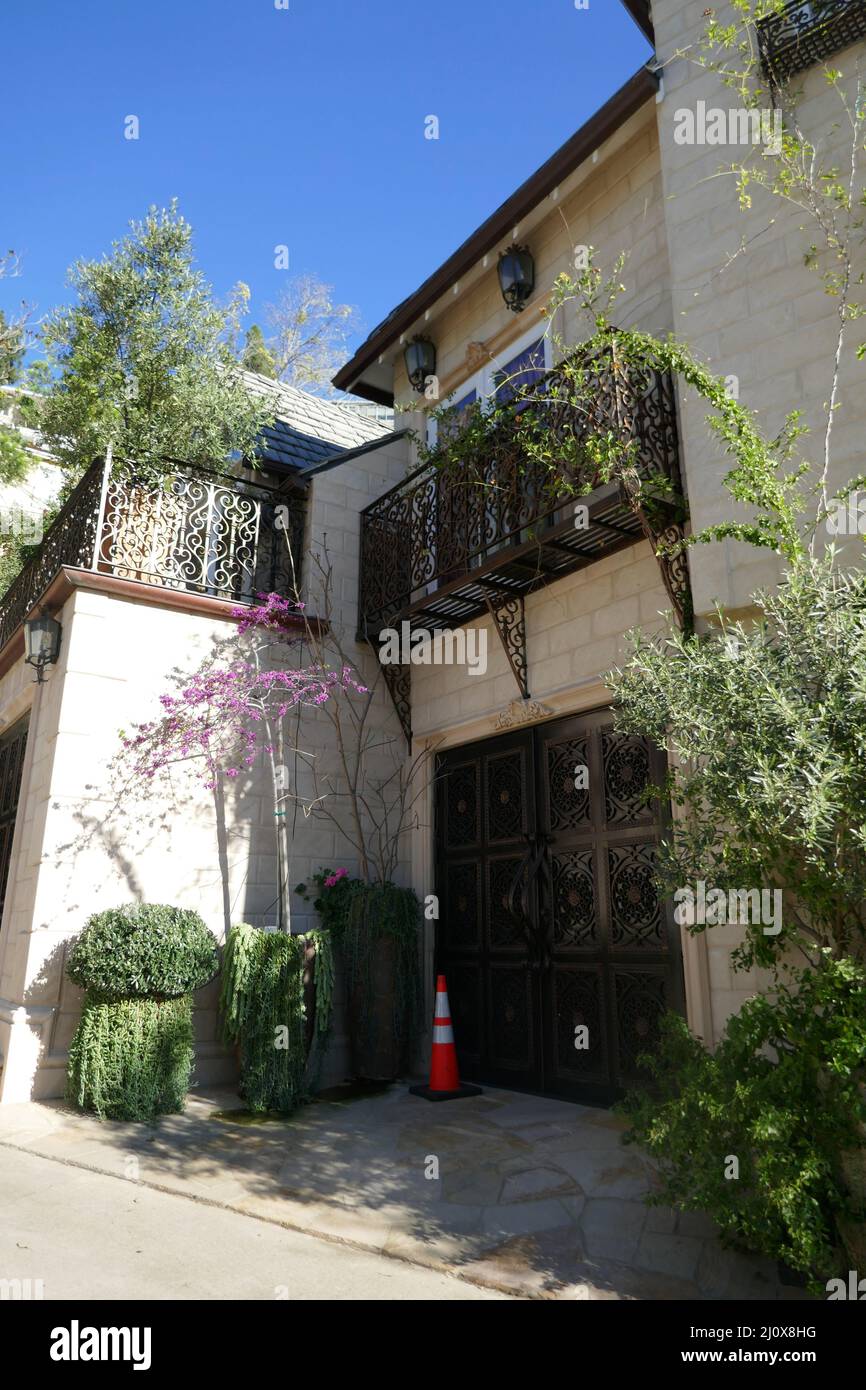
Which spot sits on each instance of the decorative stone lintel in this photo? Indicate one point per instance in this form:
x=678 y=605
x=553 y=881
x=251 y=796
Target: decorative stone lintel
x=522 y=712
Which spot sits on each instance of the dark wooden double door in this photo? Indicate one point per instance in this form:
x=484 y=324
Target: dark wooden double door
x=560 y=954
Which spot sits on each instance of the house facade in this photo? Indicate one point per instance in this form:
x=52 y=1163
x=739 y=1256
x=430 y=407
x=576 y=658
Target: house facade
x=532 y=843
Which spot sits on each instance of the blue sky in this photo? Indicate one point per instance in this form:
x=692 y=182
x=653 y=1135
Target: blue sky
x=302 y=127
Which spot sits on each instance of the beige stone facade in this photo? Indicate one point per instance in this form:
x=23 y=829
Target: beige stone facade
x=759 y=316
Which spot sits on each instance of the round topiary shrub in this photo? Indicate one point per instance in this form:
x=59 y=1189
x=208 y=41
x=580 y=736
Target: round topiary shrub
x=132 y=1052
x=143 y=951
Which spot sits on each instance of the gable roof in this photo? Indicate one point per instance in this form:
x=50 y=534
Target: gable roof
x=307 y=429
x=499 y=226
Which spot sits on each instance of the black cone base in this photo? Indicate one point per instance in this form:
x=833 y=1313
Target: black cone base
x=464 y=1089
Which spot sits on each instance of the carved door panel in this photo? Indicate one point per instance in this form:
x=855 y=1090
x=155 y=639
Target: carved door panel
x=485 y=818
x=559 y=954
x=612 y=963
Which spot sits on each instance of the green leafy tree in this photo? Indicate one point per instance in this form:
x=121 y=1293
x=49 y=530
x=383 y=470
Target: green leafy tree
x=11 y=350
x=144 y=361
x=15 y=462
x=763 y=1133
x=256 y=355
x=765 y=724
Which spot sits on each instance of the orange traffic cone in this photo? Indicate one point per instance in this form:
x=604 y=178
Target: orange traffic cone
x=444 y=1079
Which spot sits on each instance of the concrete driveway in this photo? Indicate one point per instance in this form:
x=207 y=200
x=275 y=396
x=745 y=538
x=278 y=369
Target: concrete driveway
x=515 y=1193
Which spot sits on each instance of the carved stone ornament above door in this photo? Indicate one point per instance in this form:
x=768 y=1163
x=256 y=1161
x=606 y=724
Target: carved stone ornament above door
x=521 y=712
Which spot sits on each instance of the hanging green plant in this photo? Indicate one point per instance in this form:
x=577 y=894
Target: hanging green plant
x=376 y=930
x=132 y=1052
x=130 y=1059
x=265 y=1013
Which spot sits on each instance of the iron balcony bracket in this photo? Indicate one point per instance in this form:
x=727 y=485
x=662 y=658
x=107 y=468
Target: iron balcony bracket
x=398 y=680
x=508 y=612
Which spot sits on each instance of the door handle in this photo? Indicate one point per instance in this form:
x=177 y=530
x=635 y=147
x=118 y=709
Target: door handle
x=527 y=872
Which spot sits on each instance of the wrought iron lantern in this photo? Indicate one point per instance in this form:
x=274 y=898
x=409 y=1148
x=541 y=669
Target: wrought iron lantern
x=420 y=359
x=41 y=642
x=517 y=276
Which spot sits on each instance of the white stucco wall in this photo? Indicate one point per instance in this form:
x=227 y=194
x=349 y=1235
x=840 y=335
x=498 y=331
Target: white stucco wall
x=84 y=842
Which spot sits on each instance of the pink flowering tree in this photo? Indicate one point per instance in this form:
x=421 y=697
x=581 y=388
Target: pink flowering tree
x=226 y=718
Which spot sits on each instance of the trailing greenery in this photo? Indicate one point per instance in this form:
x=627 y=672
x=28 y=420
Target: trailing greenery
x=130 y=1059
x=143 y=949
x=782 y=1095
x=264 y=1012
x=360 y=916
x=132 y=1052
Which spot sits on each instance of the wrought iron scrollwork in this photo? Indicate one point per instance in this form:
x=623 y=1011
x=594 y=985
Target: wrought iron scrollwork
x=450 y=519
x=398 y=681
x=203 y=532
x=509 y=619
x=805 y=32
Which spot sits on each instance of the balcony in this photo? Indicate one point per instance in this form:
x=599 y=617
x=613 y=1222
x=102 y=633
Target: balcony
x=204 y=533
x=800 y=35
x=434 y=547
x=454 y=541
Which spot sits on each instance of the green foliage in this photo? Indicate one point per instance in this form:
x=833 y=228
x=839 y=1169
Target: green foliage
x=130 y=1059
x=359 y=916
x=263 y=1010
x=256 y=355
x=14 y=466
x=11 y=349
x=145 y=361
x=143 y=950
x=14 y=459
x=562 y=440
x=783 y=1093
x=767 y=727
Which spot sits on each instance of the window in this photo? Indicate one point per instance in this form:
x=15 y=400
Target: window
x=452 y=426
x=521 y=372
x=529 y=359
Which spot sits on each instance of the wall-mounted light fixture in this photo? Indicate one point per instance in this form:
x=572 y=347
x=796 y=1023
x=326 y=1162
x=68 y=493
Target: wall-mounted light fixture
x=41 y=642
x=420 y=359
x=516 y=276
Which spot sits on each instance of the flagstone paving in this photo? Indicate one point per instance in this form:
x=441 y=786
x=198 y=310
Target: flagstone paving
x=535 y=1197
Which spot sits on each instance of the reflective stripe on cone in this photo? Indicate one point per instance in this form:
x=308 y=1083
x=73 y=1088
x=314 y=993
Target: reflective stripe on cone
x=445 y=1082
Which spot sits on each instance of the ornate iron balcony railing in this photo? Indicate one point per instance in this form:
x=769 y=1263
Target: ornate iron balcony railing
x=203 y=532
x=443 y=540
x=805 y=33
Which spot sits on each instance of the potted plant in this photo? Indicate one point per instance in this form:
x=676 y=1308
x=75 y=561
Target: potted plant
x=375 y=930
x=276 y=1008
x=132 y=1052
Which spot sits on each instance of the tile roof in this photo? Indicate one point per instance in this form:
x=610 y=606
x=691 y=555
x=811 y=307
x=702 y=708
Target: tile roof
x=306 y=428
